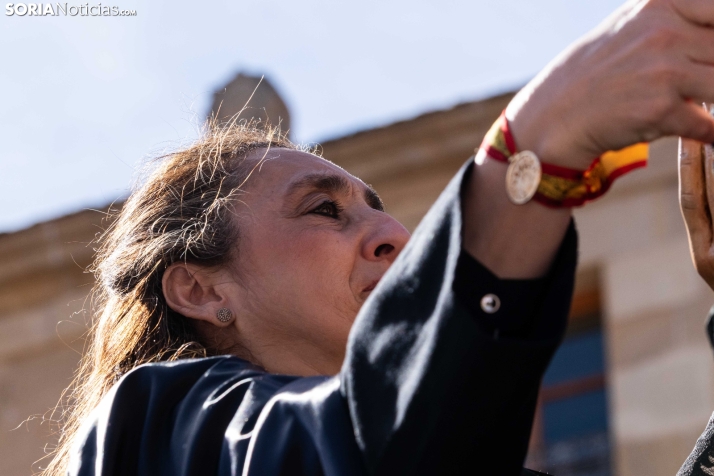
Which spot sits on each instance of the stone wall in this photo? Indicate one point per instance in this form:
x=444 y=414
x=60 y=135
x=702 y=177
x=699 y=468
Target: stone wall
x=43 y=288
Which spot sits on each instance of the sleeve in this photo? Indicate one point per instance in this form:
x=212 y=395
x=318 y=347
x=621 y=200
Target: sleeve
x=501 y=307
x=431 y=388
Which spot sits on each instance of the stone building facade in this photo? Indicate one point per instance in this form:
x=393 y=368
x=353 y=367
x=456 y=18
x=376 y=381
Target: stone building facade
x=637 y=317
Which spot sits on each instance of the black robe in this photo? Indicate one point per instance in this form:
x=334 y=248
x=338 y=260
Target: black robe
x=431 y=384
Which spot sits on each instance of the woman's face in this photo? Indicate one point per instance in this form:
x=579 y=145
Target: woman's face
x=313 y=243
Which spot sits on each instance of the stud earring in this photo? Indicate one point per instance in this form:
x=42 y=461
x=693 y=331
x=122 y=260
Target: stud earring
x=224 y=314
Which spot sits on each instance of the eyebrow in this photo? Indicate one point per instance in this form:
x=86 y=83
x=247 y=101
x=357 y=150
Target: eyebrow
x=337 y=184
x=373 y=200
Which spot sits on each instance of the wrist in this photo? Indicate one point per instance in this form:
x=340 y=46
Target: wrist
x=513 y=241
x=546 y=134
x=549 y=183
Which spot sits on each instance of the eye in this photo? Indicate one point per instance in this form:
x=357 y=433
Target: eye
x=328 y=208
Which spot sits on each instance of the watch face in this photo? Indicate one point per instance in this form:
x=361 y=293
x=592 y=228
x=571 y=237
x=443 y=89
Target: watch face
x=522 y=177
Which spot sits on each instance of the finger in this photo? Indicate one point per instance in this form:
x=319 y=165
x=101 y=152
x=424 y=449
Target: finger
x=699 y=44
x=692 y=196
x=705 y=262
x=707 y=165
x=700 y=12
x=695 y=80
x=693 y=199
x=689 y=121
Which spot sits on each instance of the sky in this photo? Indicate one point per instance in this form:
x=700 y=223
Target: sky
x=86 y=99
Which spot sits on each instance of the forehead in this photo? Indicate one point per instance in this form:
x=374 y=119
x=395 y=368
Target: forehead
x=278 y=169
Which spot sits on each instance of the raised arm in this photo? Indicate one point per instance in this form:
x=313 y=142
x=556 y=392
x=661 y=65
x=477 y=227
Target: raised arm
x=630 y=80
x=432 y=382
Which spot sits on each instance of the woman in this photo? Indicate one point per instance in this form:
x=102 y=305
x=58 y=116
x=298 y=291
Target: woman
x=315 y=349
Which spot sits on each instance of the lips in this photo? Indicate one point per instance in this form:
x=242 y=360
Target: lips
x=371 y=286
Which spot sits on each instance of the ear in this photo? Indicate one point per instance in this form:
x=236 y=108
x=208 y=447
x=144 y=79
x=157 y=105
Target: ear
x=196 y=292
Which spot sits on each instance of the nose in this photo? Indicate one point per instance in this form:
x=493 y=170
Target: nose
x=386 y=239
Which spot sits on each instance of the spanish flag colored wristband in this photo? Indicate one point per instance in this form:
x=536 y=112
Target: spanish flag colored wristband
x=562 y=186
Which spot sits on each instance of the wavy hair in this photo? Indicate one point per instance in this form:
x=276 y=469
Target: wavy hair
x=180 y=212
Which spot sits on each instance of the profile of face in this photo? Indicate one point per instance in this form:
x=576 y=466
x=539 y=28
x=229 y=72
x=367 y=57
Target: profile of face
x=313 y=243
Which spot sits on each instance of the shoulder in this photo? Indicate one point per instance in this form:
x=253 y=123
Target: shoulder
x=158 y=415
x=174 y=381
x=186 y=373
x=192 y=390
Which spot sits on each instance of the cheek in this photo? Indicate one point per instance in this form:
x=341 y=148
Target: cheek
x=302 y=278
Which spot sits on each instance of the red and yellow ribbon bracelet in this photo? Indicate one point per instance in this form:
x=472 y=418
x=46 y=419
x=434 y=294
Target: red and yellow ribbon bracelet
x=562 y=186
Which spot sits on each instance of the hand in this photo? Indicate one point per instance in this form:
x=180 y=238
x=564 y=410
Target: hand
x=696 y=198
x=639 y=76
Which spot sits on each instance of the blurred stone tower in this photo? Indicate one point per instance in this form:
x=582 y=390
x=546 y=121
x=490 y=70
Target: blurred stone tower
x=266 y=104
